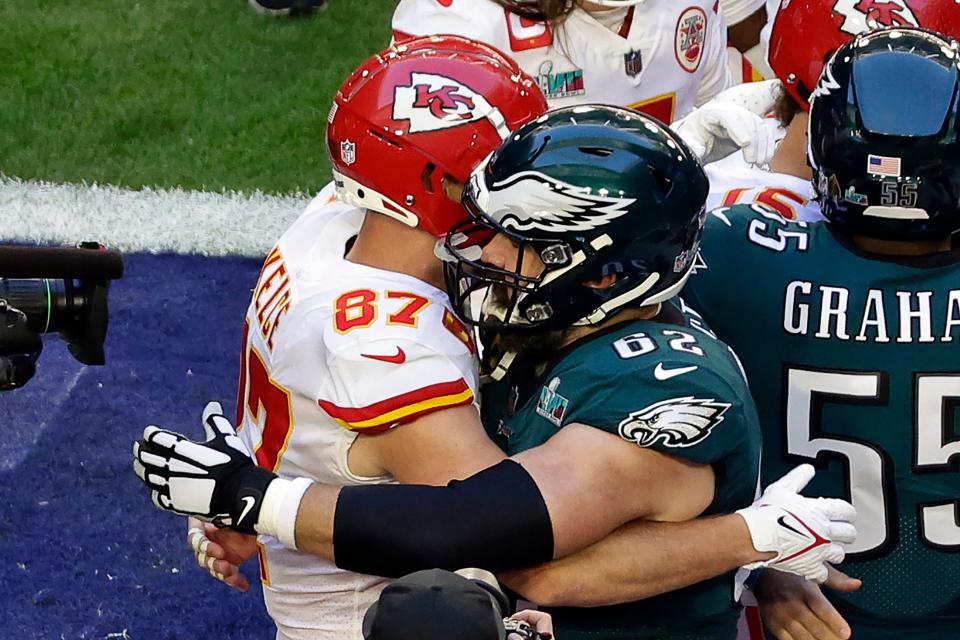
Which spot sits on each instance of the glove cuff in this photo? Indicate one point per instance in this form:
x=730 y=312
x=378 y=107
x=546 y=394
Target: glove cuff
x=278 y=514
x=756 y=525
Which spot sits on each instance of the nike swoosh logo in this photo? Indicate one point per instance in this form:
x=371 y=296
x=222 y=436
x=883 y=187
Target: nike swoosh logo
x=399 y=358
x=818 y=540
x=248 y=502
x=660 y=373
x=782 y=521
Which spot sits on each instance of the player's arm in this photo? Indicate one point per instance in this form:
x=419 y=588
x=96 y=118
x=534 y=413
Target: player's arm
x=558 y=498
x=570 y=491
x=593 y=481
x=444 y=445
x=666 y=556
x=497 y=518
x=417 y=420
x=639 y=560
x=545 y=503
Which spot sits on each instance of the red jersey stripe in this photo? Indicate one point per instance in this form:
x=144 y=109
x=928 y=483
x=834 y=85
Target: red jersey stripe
x=402 y=408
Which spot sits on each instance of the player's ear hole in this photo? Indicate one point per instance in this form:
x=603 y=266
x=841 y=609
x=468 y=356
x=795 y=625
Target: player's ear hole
x=427 y=177
x=452 y=188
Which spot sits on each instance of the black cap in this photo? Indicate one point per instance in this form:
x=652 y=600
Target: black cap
x=433 y=605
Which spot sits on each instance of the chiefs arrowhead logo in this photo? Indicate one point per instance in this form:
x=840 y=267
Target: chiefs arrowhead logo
x=690 y=38
x=443 y=102
x=865 y=15
x=433 y=102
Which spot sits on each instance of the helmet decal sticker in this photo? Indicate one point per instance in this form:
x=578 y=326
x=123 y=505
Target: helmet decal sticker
x=827 y=83
x=433 y=102
x=883 y=166
x=864 y=15
x=348 y=152
x=532 y=200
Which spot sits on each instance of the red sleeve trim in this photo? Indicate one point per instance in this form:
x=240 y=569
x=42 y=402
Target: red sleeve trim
x=403 y=408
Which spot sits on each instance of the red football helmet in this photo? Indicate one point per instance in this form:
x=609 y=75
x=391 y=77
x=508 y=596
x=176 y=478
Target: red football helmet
x=806 y=32
x=419 y=111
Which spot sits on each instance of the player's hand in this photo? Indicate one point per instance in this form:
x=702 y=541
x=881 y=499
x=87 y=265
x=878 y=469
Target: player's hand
x=717 y=129
x=541 y=622
x=796 y=609
x=221 y=552
x=756 y=97
x=805 y=533
x=215 y=481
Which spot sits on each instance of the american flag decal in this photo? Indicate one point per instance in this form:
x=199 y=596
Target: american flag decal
x=883 y=166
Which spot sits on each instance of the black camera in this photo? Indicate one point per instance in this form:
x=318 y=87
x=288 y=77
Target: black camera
x=53 y=290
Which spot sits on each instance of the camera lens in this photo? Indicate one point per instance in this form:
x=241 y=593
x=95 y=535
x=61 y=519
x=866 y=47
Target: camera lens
x=50 y=305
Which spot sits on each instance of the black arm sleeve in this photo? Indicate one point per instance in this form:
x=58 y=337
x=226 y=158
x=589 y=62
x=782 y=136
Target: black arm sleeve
x=496 y=519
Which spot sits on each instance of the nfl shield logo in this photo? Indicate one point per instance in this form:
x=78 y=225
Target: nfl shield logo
x=348 y=152
x=633 y=63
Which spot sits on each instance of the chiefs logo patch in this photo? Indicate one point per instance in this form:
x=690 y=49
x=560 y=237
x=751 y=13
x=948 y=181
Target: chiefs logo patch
x=691 y=37
x=433 y=102
x=864 y=15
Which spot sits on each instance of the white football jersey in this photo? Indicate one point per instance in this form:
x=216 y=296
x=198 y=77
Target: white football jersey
x=734 y=181
x=332 y=349
x=736 y=11
x=750 y=66
x=662 y=57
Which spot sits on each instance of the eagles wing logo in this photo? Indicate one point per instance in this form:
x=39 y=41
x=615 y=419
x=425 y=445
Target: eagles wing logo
x=532 y=200
x=432 y=102
x=677 y=422
x=865 y=15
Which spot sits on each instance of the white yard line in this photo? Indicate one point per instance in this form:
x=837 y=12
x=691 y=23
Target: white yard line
x=149 y=220
x=21 y=439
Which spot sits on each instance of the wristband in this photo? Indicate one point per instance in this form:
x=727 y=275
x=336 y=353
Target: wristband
x=278 y=513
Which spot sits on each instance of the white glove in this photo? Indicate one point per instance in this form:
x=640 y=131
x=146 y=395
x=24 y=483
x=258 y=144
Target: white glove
x=718 y=129
x=755 y=97
x=804 y=532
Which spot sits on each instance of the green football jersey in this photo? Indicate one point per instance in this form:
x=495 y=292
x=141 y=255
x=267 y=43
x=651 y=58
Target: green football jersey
x=666 y=384
x=854 y=362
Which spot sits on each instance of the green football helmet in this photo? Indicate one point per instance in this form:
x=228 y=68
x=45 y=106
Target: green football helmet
x=594 y=190
x=885 y=136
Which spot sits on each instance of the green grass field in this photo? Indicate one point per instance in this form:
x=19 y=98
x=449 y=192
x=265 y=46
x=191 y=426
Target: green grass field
x=204 y=94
